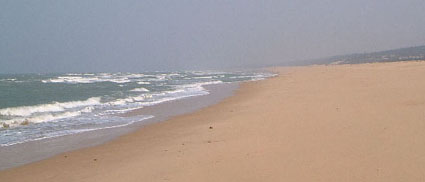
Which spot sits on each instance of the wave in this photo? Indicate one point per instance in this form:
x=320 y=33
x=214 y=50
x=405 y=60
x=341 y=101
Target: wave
x=64 y=118
x=74 y=131
x=201 y=73
x=72 y=78
x=203 y=77
x=8 y=80
x=143 y=83
x=139 y=90
x=255 y=77
x=80 y=79
x=148 y=99
x=54 y=107
x=182 y=91
x=115 y=111
x=37 y=119
x=136 y=75
x=197 y=85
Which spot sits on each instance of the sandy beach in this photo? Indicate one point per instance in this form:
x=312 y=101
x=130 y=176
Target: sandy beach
x=355 y=123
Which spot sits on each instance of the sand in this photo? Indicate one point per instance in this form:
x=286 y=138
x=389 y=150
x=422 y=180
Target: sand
x=317 y=123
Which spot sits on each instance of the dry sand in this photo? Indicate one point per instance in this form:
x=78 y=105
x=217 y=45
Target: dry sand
x=318 y=123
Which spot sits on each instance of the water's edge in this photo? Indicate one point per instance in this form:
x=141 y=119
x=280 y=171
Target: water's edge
x=17 y=155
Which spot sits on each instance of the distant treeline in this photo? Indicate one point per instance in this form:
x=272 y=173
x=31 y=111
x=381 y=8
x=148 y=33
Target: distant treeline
x=403 y=54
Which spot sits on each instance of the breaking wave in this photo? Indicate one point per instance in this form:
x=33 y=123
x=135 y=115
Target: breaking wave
x=140 y=90
x=106 y=102
x=54 y=107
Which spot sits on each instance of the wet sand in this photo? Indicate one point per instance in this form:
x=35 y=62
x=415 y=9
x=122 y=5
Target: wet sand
x=361 y=122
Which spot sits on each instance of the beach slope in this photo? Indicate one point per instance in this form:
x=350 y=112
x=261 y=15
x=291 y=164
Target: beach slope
x=355 y=123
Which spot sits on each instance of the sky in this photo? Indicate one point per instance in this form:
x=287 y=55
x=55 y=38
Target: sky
x=43 y=36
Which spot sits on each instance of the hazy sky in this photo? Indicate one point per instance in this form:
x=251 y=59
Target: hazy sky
x=141 y=35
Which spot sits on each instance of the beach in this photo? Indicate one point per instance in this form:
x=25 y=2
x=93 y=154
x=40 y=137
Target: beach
x=24 y=153
x=361 y=122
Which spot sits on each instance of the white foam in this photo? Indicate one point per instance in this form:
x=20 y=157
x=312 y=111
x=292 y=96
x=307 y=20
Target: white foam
x=54 y=107
x=73 y=74
x=75 y=131
x=115 y=111
x=136 y=75
x=118 y=102
x=203 y=77
x=120 y=80
x=200 y=73
x=129 y=100
x=88 y=115
x=38 y=119
x=181 y=91
x=72 y=79
x=87 y=109
x=160 y=77
x=143 y=83
x=8 y=79
x=199 y=85
x=255 y=77
x=172 y=98
x=140 y=90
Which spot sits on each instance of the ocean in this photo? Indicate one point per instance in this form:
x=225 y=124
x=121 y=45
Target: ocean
x=40 y=106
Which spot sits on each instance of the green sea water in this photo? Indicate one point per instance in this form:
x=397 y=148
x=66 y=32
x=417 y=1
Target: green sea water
x=39 y=106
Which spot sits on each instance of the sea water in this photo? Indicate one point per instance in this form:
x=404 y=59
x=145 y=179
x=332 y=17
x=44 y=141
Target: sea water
x=39 y=106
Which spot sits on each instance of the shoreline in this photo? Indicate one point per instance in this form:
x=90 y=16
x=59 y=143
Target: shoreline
x=360 y=122
x=18 y=155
